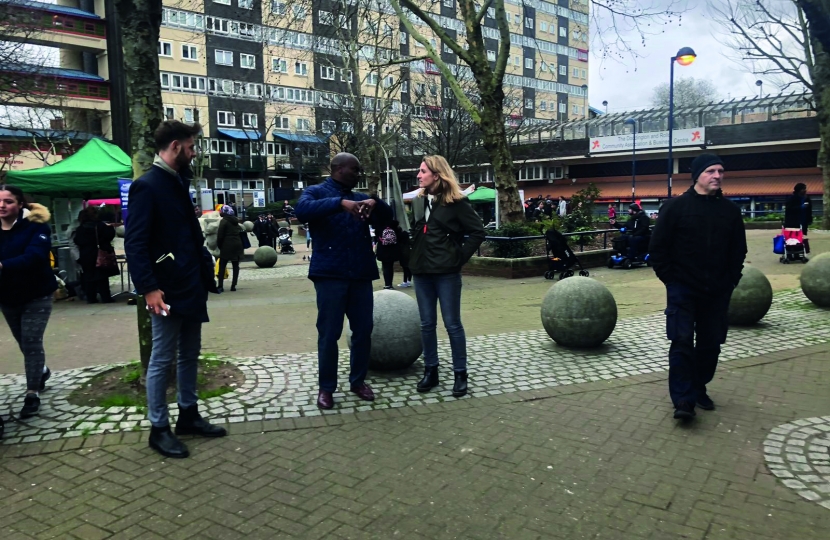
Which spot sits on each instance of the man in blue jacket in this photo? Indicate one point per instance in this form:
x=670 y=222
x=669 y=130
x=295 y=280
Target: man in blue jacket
x=342 y=270
x=164 y=246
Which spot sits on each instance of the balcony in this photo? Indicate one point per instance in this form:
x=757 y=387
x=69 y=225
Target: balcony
x=230 y=163
x=41 y=23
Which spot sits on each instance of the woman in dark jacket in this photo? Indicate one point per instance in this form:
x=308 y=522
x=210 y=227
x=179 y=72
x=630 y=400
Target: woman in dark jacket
x=798 y=210
x=447 y=233
x=230 y=246
x=26 y=286
x=92 y=234
x=389 y=251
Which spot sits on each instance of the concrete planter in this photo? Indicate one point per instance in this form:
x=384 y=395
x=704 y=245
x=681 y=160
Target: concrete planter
x=527 y=266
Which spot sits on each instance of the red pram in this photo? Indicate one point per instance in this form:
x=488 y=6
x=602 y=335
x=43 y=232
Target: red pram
x=794 y=244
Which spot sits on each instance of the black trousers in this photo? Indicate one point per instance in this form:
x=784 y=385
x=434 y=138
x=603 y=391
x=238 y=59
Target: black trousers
x=94 y=285
x=696 y=324
x=388 y=272
x=223 y=264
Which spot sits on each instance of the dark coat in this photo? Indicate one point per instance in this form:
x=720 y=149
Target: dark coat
x=638 y=224
x=88 y=237
x=388 y=253
x=262 y=230
x=445 y=242
x=342 y=244
x=798 y=212
x=162 y=222
x=24 y=252
x=699 y=241
x=228 y=239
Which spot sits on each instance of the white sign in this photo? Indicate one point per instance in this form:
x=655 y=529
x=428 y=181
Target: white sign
x=259 y=199
x=654 y=139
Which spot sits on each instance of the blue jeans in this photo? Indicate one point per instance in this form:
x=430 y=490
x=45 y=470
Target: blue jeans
x=696 y=324
x=171 y=333
x=430 y=289
x=336 y=298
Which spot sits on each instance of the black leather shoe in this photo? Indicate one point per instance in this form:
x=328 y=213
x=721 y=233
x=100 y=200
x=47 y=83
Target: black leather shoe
x=220 y=290
x=460 y=387
x=44 y=378
x=165 y=443
x=430 y=379
x=705 y=402
x=31 y=406
x=684 y=411
x=191 y=423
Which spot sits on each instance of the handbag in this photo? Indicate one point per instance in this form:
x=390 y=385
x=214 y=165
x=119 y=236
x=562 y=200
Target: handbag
x=216 y=272
x=778 y=244
x=106 y=262
x=246 y=243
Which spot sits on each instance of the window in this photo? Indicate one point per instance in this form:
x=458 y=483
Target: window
x=326 y=17
x=371 y=78
x=299 y=12
x=517 y=18
x=583 y=74
x=301 y=68
x=246 y=4
x=420 y=88
x=303 y=124
x=191 y=114
x=449 y=3
x=543 y=105
x=277 y=8
x=389 y=81
x=249 y=120
x=282 y=122
x=347 y=127
x=491 y=12
x=223 y=2
x=165 y=49
x=528 y=103
x=346 y=75
x=575 y=73
x=563 y=70
x=328 y=126
x=169 y=113
x=543 y=26
x=404 y=87
x=224 y=118
x=447 y=92
x=447 y=49
x=543 y=66
x=529 y=22
x=222 y=147
x=433 y=89
x=190 y=52
x=327 y=73
x=279 y=65
x=403 y=38
x=224 y=58
x=529 y=63
x=517 y=61
x=575 y=109
x=491 y=56
x=563 y=107
x=563 y=31
x=247 y=61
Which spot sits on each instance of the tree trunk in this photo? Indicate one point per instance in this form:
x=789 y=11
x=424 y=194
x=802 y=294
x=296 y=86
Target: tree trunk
x=495 y=142
x=821 y=95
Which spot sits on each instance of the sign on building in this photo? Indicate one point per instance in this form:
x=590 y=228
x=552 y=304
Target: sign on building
x=654 y=139
x=259 y=199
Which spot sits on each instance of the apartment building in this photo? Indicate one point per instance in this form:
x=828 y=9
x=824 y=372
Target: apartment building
x=278 y=83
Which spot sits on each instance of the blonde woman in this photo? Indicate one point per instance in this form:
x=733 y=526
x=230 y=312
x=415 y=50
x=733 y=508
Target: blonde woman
x=447 y=233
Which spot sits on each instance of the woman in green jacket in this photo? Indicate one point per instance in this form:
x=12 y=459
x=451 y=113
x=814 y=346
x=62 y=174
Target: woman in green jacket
x=229 y=241
x=447 y=233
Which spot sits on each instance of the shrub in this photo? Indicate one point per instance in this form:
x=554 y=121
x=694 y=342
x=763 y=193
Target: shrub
x=513 y=250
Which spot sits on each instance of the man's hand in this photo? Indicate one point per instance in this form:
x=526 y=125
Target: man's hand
x=366 y=208
x=352 y=207
x=155 y=303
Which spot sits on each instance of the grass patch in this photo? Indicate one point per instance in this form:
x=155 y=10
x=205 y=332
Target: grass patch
x=121 y=386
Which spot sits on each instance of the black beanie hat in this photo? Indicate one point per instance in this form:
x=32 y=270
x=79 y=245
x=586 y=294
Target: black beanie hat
x=703 y=162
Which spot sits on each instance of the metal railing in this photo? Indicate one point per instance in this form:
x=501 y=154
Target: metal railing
x=580 y=242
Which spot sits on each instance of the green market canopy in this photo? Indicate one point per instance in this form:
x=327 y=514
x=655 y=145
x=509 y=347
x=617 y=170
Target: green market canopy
x=482 y=195
x=92 y=171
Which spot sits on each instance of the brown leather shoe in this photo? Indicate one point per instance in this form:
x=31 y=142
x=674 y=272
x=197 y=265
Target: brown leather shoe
x=364 y=392
x=325 y=400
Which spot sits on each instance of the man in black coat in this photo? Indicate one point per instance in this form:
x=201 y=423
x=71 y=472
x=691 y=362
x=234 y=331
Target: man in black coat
x=165 y=253
x=637 y=229
x=262 y=230
x=697 y=249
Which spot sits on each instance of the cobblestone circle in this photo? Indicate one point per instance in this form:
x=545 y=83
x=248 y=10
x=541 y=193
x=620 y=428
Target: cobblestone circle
x=798 y=453
x=285 y=385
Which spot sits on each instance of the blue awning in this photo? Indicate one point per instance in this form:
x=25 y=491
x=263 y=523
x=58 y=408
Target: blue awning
x=296 y=138
x=241 y=134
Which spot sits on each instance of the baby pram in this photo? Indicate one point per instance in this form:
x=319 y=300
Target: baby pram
x=561 y=258
x=284 y=238
x=791 y=245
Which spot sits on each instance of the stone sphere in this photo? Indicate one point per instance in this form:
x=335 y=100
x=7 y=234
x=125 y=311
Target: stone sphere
x=211 y=226
x=396 y=335
x=248 y=225
x=265 y=257
x=579 y=312
x=815 y=280
x=119 y=231
x=751 y=299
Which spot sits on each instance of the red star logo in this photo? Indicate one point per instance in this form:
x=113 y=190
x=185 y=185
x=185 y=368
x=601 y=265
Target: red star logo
x=595 y=145
x=695 y=136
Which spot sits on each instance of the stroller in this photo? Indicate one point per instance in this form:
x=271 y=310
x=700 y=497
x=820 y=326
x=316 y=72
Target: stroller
x=791 y=245
x=284 y=238
x=561 y=258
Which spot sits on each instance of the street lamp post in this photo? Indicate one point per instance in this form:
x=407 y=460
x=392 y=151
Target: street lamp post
x=760 y=84
x=388 y=172
x=605 y=104
x=299 y=153
x=633 y=123
x=241 y=185
x=585 y=101
x=684 y=57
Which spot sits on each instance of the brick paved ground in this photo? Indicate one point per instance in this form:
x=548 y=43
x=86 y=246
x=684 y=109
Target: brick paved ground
x=597 y=460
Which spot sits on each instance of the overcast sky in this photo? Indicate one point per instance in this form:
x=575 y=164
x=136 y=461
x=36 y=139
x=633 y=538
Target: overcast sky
x=627 y=89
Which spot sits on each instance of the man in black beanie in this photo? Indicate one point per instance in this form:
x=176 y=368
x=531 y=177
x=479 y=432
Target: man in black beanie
x=697 y=250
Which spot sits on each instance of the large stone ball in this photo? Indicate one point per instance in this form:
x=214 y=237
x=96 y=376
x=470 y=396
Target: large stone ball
x=751 y=299
x=211 y=226
x=815 y=280
x=579 y=312
x=396 y=336
x=119 y=231
x=265 y=257
x=248 y=225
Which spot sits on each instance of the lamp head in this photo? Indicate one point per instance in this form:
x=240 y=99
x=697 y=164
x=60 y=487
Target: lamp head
x=685 y=56
x=630 y=121
x=605 y=103
x=759 y=82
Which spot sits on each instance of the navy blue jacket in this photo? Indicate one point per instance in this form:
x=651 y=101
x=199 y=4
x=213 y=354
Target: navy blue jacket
x=342 y=243
x=24 y=252
x=162 y=222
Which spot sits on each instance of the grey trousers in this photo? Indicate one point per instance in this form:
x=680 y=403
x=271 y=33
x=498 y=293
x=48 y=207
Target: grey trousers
x=28 y=323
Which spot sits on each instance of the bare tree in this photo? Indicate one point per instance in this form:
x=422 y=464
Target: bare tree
x=688 y=92
x=817 y=13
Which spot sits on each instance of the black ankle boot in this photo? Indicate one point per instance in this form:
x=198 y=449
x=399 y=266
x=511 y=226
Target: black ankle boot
x=460 y=387
x=31 y=406
x=430 y=379
x=165 y=443
x=191 y=423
